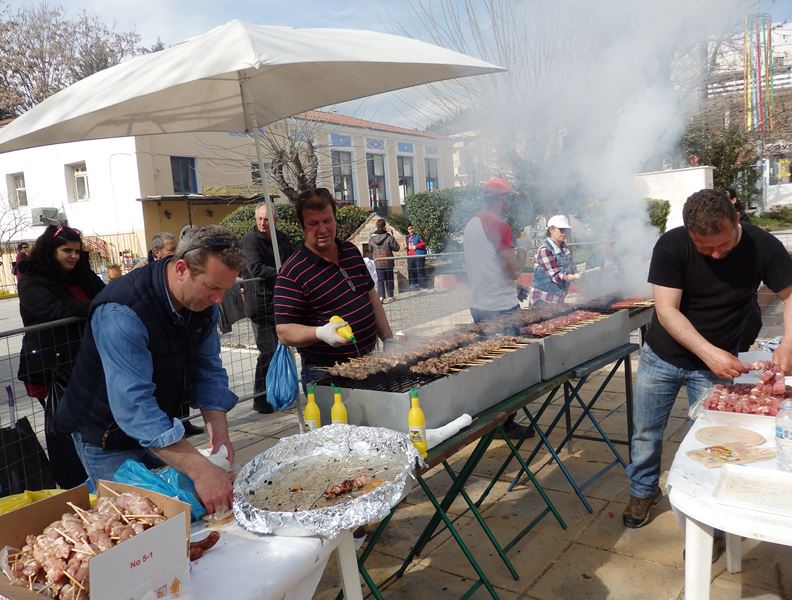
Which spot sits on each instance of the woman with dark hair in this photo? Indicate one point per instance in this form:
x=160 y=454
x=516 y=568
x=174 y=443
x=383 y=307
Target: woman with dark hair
x=57 y=283
x=22 y=254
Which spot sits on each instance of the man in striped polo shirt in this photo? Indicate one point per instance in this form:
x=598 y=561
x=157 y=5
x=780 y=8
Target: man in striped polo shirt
x=325 y=277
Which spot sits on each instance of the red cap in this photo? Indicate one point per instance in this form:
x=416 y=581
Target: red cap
x=497 y=186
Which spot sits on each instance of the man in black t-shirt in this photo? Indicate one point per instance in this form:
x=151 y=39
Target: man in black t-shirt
x=704 y=277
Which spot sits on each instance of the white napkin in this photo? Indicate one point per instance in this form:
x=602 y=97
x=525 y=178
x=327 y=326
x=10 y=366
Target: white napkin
x=435 y=436
x=219 y=458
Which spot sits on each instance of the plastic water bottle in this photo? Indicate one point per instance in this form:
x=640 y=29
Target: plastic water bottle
x=783 y=424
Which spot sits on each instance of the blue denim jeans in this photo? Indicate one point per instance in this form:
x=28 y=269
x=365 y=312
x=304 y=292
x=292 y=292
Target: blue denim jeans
x=657 y=384
x=102 y=464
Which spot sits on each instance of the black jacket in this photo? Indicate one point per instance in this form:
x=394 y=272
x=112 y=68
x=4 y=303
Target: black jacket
x=43 y=298
x=85 y=407
x=260 y=263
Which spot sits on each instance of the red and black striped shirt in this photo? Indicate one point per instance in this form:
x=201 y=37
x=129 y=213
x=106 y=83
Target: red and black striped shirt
x=309 y=290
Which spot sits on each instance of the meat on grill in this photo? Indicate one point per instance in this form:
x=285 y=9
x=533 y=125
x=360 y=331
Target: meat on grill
x=464 y=356
x=545 y=328
x=630 y=302
x=362 y=367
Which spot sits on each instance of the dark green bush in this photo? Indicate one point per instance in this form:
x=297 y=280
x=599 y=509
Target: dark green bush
x=440 y=217
x=348 y=219
x=428 y=212
x=658 y=213
x=243 y=219
x=776 y=218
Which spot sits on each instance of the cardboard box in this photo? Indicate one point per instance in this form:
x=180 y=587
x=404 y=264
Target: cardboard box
x=153 y=564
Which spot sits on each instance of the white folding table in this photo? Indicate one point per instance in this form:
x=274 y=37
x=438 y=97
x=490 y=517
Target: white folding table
x=250 y=566
x=690 y=487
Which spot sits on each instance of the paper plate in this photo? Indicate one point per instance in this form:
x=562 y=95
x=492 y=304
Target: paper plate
x=724 y=434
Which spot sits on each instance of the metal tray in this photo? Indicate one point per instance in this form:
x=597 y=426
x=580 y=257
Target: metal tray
x=334 y=443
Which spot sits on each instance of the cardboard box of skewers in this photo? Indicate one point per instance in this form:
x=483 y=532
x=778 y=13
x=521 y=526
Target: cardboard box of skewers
x=133 y=544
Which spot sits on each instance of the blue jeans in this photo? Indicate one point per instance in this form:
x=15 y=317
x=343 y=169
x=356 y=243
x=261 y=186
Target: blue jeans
x=102 y=464
x=657 y=384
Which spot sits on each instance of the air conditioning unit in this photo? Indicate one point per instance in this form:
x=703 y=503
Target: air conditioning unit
x=45 y=215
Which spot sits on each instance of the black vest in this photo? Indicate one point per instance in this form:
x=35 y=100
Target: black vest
x=84 y=407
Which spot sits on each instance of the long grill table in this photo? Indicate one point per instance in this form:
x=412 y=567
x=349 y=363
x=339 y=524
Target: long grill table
x=483 y=430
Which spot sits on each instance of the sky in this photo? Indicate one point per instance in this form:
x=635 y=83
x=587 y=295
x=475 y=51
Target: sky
x=175 y=20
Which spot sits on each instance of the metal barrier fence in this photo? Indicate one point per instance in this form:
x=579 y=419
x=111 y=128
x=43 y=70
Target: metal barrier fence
x=443 y=305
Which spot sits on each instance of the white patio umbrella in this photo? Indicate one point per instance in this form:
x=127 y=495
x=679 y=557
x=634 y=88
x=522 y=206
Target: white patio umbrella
x=236 y=77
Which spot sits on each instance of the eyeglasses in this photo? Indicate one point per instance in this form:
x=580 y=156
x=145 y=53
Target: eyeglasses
x=61 y=229
x=321 y=192
x=348 y=279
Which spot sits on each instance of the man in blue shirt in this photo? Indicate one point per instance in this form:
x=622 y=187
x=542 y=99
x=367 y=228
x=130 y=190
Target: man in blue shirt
x=151 y=344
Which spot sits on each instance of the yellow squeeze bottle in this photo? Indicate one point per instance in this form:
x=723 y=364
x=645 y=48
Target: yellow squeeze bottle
x=311 y=414
x=345 y=331
x=338 y=412
x=416 y=422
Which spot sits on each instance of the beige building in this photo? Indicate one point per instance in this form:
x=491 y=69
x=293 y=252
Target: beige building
x=137 y=186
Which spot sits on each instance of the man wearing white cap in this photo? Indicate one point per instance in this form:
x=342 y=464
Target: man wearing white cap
x=554 y=267
x=492 y=265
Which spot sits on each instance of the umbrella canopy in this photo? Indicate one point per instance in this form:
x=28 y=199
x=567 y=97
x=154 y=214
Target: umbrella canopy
x=199 y=84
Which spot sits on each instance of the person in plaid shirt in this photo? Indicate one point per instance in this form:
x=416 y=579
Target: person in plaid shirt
x=554 y=266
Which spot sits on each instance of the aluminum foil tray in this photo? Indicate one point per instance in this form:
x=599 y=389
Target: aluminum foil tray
x=337 y=446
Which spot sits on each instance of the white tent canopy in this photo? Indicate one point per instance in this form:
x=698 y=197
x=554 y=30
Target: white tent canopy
x=198 y=84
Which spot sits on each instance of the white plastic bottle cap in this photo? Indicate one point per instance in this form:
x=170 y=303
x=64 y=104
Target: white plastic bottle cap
x=786 y=404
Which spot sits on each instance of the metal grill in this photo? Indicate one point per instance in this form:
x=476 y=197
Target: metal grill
x=395 y=380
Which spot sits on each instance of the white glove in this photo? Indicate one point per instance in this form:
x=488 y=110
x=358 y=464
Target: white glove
x=328 y=334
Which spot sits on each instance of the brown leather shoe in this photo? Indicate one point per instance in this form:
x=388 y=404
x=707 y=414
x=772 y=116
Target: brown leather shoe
x=637 y=512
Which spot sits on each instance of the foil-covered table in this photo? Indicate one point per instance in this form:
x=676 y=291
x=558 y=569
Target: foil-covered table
x=337 y=444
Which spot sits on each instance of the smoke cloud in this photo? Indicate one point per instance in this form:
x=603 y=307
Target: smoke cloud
x=595 y=93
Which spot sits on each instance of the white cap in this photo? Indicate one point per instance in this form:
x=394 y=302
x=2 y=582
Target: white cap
x=559 y=222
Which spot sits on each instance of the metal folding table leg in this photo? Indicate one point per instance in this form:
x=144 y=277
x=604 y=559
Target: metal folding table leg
x=548 y=400
x=544 y=441
x=448 y=499
x=483 y=523
x=458 y=539
x=586 y=413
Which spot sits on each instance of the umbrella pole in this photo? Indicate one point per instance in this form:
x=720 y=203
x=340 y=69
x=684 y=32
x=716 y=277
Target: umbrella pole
x=252 y=127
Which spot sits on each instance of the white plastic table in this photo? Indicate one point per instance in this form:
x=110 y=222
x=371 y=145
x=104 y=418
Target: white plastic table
x=249 y=566
x=690 y=488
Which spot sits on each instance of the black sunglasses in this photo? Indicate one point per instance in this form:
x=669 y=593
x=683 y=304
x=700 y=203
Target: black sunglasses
x=322 y=192
x=348 y=279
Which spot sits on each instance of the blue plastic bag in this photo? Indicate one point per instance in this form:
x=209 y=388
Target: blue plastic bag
x=282 y=383
x=167 y=481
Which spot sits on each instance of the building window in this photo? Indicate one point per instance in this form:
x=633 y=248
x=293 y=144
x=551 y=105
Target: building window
x=406 y=180
x=432 y=177
x=343 y=185
x=183 y=171
x=378 y=192
x=77 y=182
x=17 y=191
